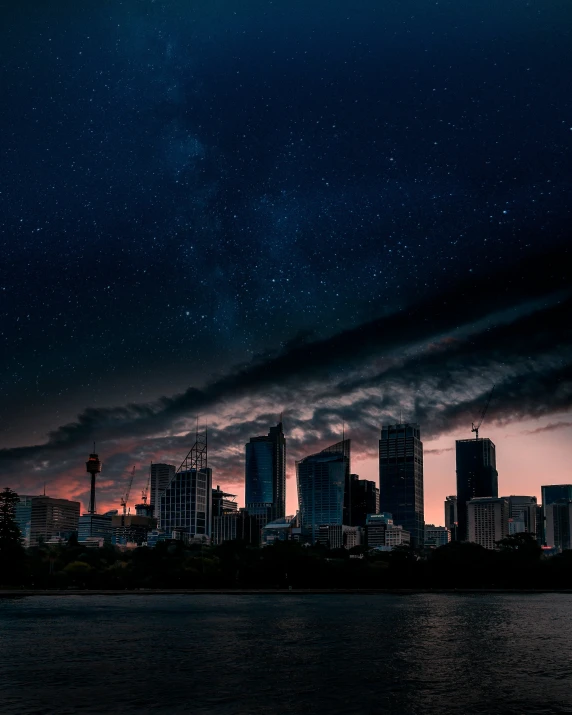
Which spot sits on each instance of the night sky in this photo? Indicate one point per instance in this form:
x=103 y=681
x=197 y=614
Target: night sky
x=338 y=210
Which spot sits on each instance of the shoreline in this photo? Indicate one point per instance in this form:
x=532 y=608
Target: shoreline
x=13 y=593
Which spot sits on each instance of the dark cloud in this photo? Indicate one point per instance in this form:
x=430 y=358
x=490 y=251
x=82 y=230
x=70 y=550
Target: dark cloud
x=436 y=360
x=551 y=427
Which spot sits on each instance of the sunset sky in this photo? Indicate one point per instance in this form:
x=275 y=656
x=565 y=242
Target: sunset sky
x=339 y=211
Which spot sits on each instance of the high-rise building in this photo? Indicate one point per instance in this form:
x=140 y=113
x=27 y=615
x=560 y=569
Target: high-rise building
x=524 y=513
x=401 y=478
x=23 y=516
x=558 y=525
x=95 y=529
x=477 y=476
x=131 y=529
x=52 y=518
x=375 y=528
x=364 y=500
x=160 y=478
x=436 y=535
x=487 y=520
x=265 y=476
x=554 y=526
x=223 y=503
x=451 y=518
x=321 y=480
x=185 y=505
x=236 y=526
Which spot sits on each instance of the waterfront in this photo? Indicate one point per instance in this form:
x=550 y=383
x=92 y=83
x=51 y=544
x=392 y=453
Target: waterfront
x=271 y=654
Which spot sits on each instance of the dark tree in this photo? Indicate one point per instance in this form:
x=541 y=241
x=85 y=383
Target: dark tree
x=10 y=536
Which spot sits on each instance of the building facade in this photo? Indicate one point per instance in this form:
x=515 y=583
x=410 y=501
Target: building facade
x=321 y=480
x=52 y=518
x=265 y=476
x=364 y=500
x=95 y=529
x=401 y=478
x=477 y=477
x=525 y=515
x=451 y=518
x=554 y=494
x=23 y=516
x=488 y=520
x=160 y=478
x=185 y=505
x=558 y=526
x=436 y=535
x=131 y=529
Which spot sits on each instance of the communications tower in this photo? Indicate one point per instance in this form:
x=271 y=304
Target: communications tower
x=93 y=467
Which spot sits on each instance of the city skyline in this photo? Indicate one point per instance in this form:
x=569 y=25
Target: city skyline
x=439 y=470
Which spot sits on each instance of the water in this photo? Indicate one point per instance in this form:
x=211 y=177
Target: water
x=333 y=654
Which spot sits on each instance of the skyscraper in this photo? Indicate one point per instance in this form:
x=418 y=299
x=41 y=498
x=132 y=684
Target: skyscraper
x=487 y=520
x=23 y=515
x=524 y=513
x=451 y=518
x=265 y=476
x=161 y=476
x=401 y=478
x=557 y=515
x=185 y=505
x=322 y=479
x=52 y=517
x=364 y=500
x=477 y=476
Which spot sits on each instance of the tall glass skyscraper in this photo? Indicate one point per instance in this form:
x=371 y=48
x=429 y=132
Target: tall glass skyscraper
x=265 y=476
x=322 y=480
x=477 y=476
x=401 y=478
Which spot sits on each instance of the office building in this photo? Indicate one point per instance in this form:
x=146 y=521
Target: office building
x=52 y=518
x=321 y=480
x=554 y=494
x=265 y=476
x=401 y=478
x=477 y=477
x=524 y=514
x=436 y=535
x=338 y=536
x=223 y=503
x=487 y=520
x=375 y=527
x=558 y=525
x=236 y=526
x=131 y=529
x=451 y=519
x=396 y=535
x=284 y=529
x=364 y=500
x=23 y=516
x=95 y=529
x=185 y=505
x=160 y=478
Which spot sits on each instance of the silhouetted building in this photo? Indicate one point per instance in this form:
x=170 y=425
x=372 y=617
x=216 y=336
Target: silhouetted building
x=477 y=476
x=554 y=494
x=283 y=529
x=185 y=505
x=52 y=518
x=436 y=535
x=144 y=510
x=236 y=526
x=451 y=518
x=265 y=476
x=161 y=477
x=558 y=525
x=131 y=529
x=321 y=482
x=223 y=503
x=95 y=529
x=525 y=515
x=375 y=527
x=338 y=536
x=23 y=516
x=488 y=520
x=364 y=500
x=401 y=478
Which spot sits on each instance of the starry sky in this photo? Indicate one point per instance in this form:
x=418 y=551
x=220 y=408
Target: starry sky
x=342 y=211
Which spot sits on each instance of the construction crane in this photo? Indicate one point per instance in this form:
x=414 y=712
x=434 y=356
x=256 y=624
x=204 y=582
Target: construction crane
x=475 y=428
x=125 y=498
x=145 y=491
